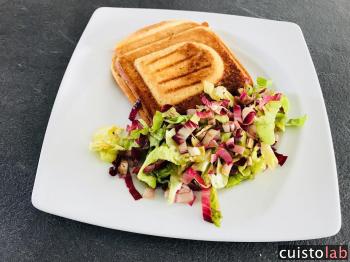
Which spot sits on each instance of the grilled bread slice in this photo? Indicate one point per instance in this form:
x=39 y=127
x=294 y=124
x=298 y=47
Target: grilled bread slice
x=175 y=74
x=135 y=74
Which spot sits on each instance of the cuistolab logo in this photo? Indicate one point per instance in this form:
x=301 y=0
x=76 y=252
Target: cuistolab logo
x=313 y=252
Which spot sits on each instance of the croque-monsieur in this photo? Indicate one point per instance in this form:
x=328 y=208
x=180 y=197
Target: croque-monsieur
x=167 y=62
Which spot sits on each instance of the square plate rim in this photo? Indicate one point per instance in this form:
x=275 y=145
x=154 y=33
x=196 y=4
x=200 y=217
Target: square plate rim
x=38 y=205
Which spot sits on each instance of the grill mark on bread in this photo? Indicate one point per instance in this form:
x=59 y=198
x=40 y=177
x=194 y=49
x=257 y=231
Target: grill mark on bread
x=174 y=63
x=161 y=57
x=170 y=90
x=205 y=66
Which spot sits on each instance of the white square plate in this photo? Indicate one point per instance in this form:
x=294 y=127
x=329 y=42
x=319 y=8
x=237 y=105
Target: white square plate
x=297 y=201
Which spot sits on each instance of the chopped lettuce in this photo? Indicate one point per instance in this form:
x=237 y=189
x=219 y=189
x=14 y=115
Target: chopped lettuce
x=173 y=117
x=200 y=157
x=106 y=142
x=203 y=165
x=226 y=136
x=220 y=178
x=157 y=121
x=216 y=215
x=268 y=156
x=169 y=138
x=157 y=136
x=285 y=104
x=162 y=152
x=134 y=134
x=175 y=184
x=222 y=118
x=265 y=124
x=163 y=174
x=263 y=82
x=297 y=121
x=280 y=121
x=218 y=93
x=235 y=180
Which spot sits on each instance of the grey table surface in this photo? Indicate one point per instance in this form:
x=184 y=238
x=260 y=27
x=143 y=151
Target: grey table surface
x=37 y=38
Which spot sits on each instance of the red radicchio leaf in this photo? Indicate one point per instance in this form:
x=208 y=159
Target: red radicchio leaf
x=225 y=102
x=205 y=101
x=135 y=124
x=184 y=132
x=237 y=113
x=230 y=143
x=238 y=134
x=213 y=158
x=185 y=195
x=249 y=119
x=238 y=149
x=205 y=114
x=216 y=107
x=136 y=153
x=243 y=96
x=281 y=158
x=266 y=99
x=135 y=169
x=155 y=166
x=206 y=210
x=142 y=141
x=225 y=155
x=133 y=191
x=183 y=148
x=248 y=115
x=210 y=137
x=135 y=109
x=240 y=162
x=191 y=174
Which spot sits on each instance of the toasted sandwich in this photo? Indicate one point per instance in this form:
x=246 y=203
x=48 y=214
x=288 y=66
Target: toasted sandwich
x=167 y=62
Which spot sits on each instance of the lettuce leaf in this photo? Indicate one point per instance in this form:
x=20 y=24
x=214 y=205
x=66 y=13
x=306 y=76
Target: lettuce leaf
x=173 y=117
x=263 y=82
x=163 y=152
x=157 y=121
x=225 y=136
x=269 y=156
x=175 y=184
x=235 y=180
x=135 y=134
x=285 y=104
x=265 y=124
x=169 y=138
x=218 y=93
x=107 y=142
x=220 y=178
x=280 y=121
x=216 y=215
x=300 y=121
x=203 y=165
x=222 y=118
x=157 y=136
x=163 y=174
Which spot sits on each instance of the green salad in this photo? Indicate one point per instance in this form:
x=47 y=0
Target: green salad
x=225 y=140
